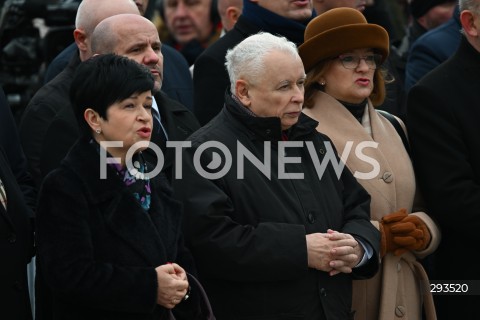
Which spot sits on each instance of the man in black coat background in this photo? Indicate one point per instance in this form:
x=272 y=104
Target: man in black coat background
x=443 y=114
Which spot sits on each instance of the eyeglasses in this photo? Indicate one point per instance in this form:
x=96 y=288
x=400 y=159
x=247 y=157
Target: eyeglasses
x=351 y=61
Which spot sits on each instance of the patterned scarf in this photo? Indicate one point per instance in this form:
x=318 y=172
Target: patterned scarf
x=135 y=180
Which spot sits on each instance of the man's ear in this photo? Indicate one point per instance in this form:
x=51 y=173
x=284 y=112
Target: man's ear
x=93 y=119
x=422 y=21
x=241 y=91
x=80 y=39
x=233 y=13
x=467 y=19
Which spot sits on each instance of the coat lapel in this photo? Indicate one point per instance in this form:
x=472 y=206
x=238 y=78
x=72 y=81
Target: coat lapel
x=339 y=124
x=132 y=224
x=122 y=213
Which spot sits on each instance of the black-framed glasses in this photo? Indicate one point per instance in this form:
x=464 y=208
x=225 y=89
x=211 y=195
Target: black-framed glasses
x=352 y=61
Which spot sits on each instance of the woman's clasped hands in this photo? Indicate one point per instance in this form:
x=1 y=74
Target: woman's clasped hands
x=172 y=285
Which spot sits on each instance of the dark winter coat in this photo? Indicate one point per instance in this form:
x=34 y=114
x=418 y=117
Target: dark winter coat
x=16 y=247
x=443 y=113
x=16 y=221
x=43 y=154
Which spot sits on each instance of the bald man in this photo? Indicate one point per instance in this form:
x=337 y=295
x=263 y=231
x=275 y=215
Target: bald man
x=133 y=36
x=229 y=11
x=142 y=6
x=178 y=83
x=89 y=14
x=137 y=38
x=44 y=107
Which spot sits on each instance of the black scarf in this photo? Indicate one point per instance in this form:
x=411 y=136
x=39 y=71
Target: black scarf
x=356 y=109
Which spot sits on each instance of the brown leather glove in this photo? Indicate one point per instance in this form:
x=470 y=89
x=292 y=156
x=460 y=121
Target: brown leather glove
x=421 y=233
x=402 y=232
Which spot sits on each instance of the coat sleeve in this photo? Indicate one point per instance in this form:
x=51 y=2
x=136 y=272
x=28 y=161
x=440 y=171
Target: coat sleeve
x=66 y=254
x=225 y=248
x=418 y=210
x=441 y=154
x=10 y=142
x=33 y=127
x=357 y=222
x=356 y=218
x=421 y=60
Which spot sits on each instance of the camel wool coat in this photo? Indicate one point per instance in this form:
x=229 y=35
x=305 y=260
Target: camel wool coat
x=394 y=293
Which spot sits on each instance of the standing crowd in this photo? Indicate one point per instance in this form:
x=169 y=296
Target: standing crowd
x=255 y=159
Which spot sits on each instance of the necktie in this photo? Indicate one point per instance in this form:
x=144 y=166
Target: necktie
x=159 y=129
x=3 y=195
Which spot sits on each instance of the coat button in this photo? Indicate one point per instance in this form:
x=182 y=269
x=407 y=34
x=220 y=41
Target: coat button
x=268 y=131
x=387 y=177
x=311 y=218
x=321 y=151
x=400 y=311
x=12 y=238
x=323 y=292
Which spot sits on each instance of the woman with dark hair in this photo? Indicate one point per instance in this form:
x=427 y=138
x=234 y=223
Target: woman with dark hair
x=108 y=231
x=342 y=55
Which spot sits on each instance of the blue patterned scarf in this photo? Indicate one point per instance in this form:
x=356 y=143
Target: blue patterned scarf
x=135 y=180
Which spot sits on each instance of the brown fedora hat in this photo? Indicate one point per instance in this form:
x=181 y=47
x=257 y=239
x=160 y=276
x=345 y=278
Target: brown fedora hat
x=338 y=31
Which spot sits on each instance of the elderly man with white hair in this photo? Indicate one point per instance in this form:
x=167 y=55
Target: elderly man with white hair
x=273 y=235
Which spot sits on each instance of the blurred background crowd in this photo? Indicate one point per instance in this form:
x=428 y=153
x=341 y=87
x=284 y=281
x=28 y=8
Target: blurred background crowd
x=33 y=32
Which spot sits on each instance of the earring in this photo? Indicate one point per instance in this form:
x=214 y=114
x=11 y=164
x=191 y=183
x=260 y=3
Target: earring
x=322 y=83
x=98 y=131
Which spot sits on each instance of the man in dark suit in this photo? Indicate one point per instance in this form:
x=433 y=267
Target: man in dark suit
x=17 y=203
x=443 y=112
x=210 y=78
